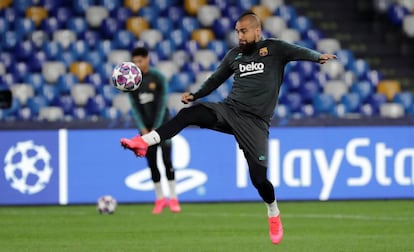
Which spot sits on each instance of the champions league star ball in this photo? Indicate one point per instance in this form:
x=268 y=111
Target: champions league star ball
x=106 y=204
x=126 y=76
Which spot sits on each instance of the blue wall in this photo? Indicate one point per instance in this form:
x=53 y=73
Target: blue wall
x=319 y=163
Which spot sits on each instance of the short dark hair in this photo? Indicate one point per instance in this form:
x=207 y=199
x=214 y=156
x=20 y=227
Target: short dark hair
x=140 y=51
x=250 y=13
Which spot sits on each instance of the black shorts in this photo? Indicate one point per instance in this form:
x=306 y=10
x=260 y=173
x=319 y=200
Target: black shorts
x=250 y=131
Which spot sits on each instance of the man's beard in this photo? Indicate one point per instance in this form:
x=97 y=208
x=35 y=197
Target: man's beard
x=248 y=48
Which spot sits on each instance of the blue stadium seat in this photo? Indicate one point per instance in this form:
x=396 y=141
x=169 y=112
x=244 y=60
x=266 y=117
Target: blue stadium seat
x=21 y=5
x=308 y=90
x=108 y=92
x=178 y=38
x=52 y=49
x=80 y=6
x=406 y=99
x=79 y=49
x=11 y=113
x=79 y=113
x=24 y=49
x=360 y=68
x=189 y=24
x=123 y=39
x=149 y=12
x=192 y=67
x=95 y=79
x=37 y=102
x=111 y=113
x=346 y=57
x=352 y=102
x=175 y=14
x=163 y=5
x=36 y=80
x=232 y=12
x=105 y=70
x=192 y=46
x=95 y=58
x=65 y=82
x=396 y=13
x=180 y=82
x=363 y=88
x=4 y=25
x=287 y=12
x=281 y=111
x=292 y=100
x=24 y=26
x=9 y=40
x=110 y=5
x=10 y=14
x=247 y=4
x=67 y=58
x=324 y=104
x=109 y=27
x=222 y=5
x=222 y=26
x=77 y=25
x=164 y=25
x=313 y=34
x=219 y=47
x=8 y=79
x=7 y=59
x=53 y=5
x=165 y=49
x=95 y=105
x=301 y=24
x=121 y=14
x=292 y=80
x=65 y=102
x=307 y=69
x=49 y=92
x=91 y=38
x=24 y=114
x=19 y=71
x=61 y=14
x=105 y=46
x=50 y=25
x=154 y=58
x=374 y=77
x=376 y=100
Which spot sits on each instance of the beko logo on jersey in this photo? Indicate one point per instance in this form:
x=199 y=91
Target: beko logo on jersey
x=252 y=68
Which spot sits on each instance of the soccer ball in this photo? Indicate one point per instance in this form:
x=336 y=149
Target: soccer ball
x=106 y=204
x=126 y=76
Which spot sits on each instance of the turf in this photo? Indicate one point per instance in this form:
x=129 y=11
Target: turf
x=309 y=226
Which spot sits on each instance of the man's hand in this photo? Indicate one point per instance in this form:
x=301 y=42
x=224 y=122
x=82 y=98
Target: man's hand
x=325 y=57
x=187 y=98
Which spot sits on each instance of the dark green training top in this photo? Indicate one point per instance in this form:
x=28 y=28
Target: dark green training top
x=149 y=101
x=257 y=76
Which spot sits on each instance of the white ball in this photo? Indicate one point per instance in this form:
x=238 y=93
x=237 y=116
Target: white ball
x=106 y=204
x=126 y=76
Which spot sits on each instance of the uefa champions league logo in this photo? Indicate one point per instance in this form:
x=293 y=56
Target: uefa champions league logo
x=27 y=167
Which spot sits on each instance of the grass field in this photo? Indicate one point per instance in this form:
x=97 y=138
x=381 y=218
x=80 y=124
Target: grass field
x=309 y=226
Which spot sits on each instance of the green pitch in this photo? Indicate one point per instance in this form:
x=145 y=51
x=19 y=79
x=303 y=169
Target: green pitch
x=309 y=226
